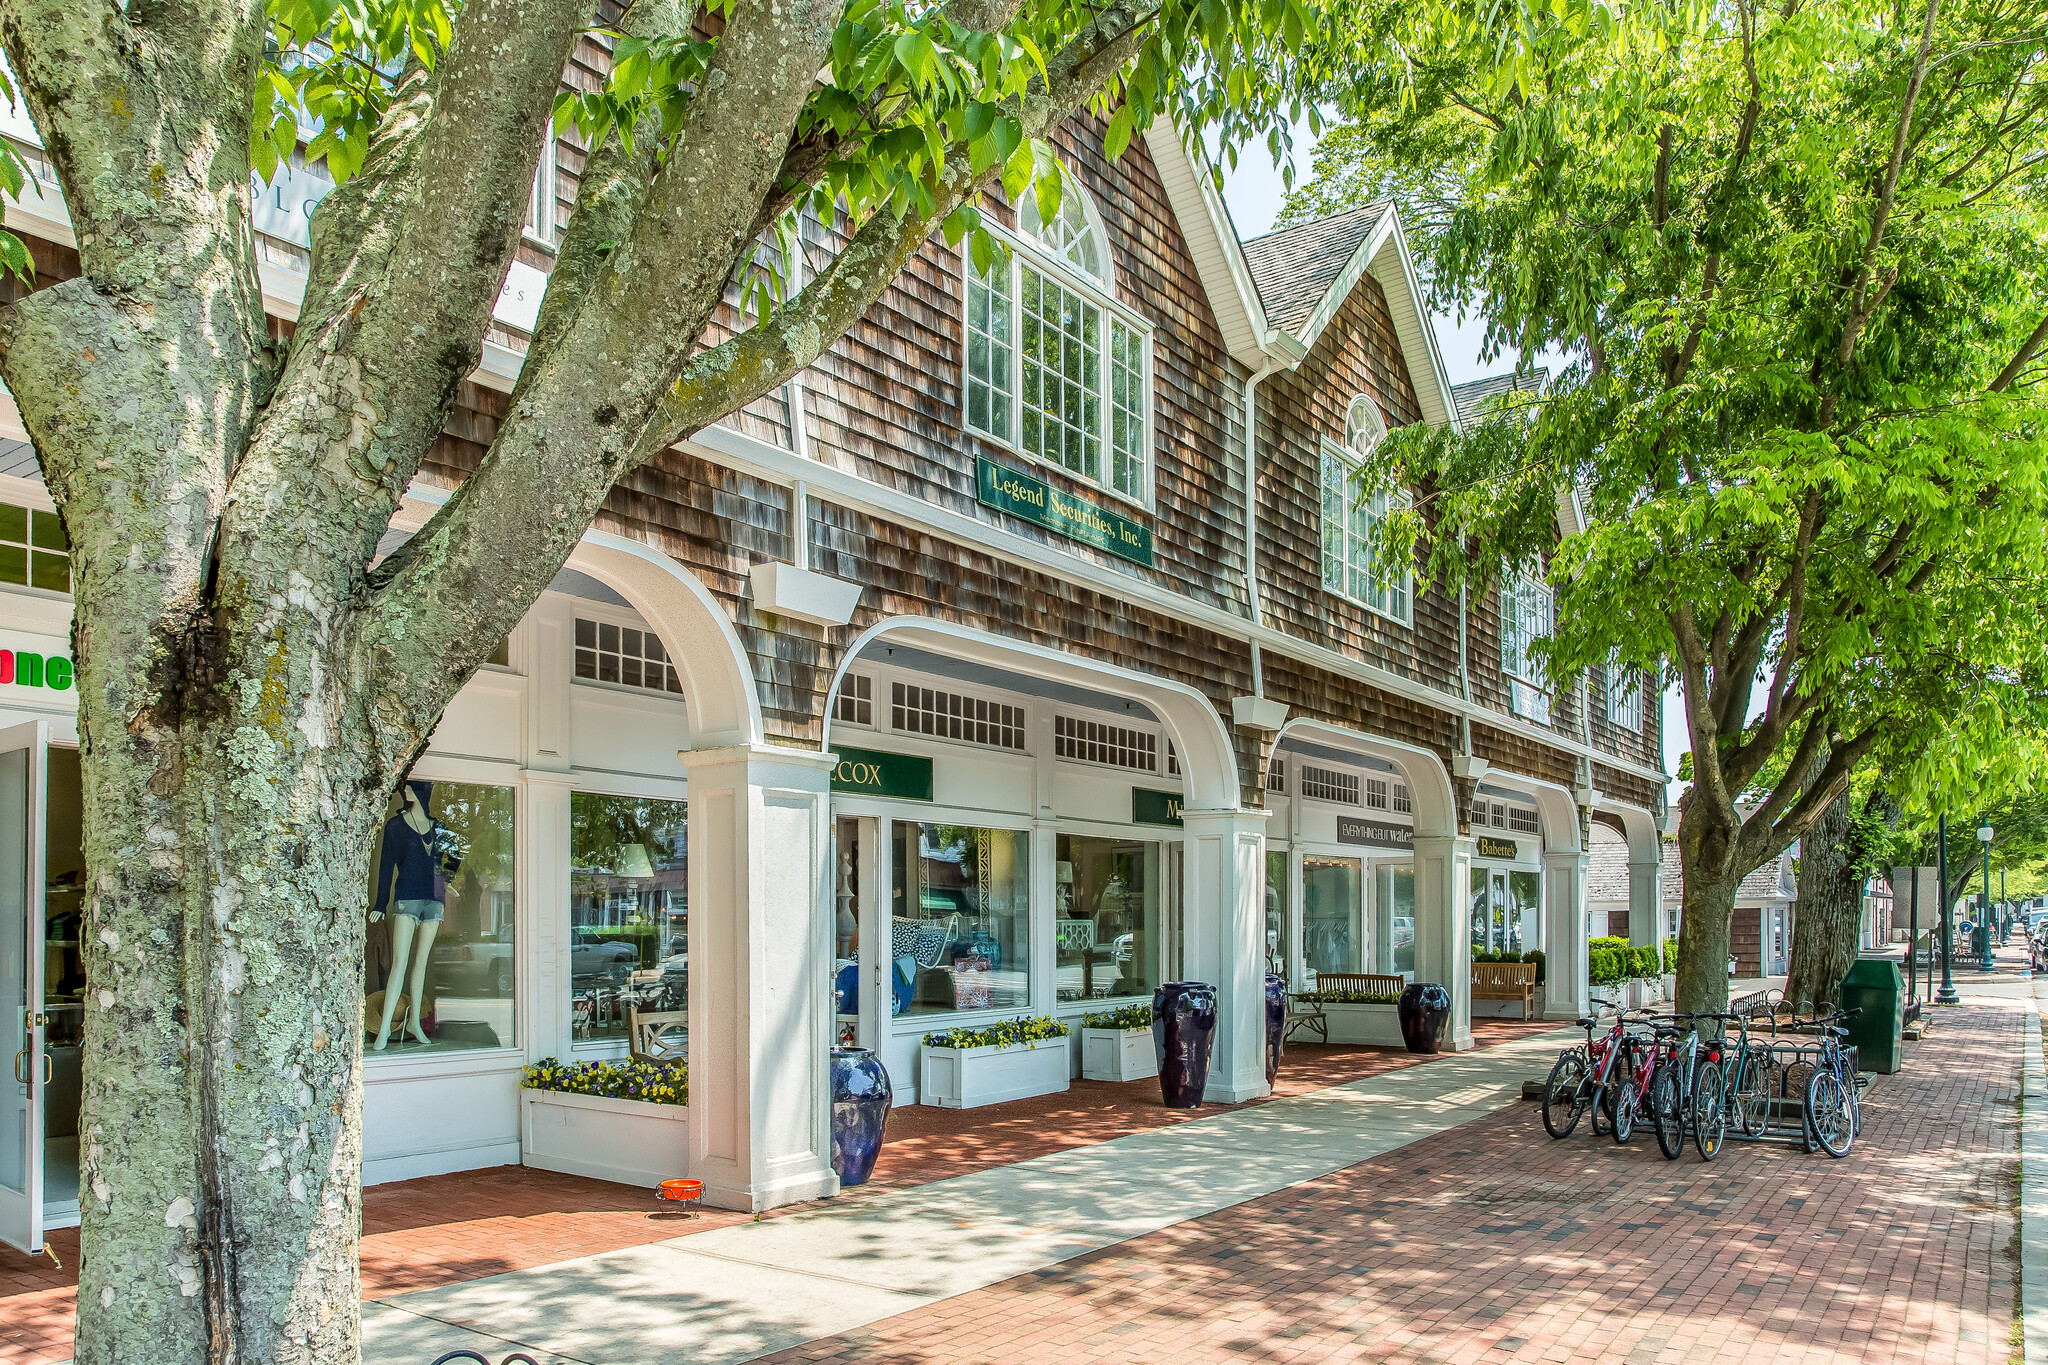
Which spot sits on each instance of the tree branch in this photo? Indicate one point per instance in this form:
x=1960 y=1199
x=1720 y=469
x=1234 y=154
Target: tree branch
x=2021 y=357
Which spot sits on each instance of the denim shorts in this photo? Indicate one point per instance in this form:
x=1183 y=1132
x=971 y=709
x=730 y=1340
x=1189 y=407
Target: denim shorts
x=426 y=912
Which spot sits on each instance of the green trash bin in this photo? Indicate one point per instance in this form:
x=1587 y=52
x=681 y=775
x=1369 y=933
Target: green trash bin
x=1874 y=986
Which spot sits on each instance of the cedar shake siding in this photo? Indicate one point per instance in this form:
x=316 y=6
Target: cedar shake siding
x=885 y=404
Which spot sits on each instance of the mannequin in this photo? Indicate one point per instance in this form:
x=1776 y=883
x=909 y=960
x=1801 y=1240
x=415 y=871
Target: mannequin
x=420 y=853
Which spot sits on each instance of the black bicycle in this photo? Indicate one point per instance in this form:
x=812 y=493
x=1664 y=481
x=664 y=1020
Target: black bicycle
x=1688 y=1093
x=1834 y=1104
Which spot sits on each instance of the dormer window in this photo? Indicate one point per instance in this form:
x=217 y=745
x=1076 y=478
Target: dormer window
x=1352 y=517
x=1056 y=367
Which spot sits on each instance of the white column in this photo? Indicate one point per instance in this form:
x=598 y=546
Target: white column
x=1645 y=904
x=1225 y=919
x=1443 y=925
x=1566 y=994
x=545 y=1024
x=760 y=976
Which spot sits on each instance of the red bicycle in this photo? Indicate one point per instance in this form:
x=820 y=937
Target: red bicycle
x=1586 y=1078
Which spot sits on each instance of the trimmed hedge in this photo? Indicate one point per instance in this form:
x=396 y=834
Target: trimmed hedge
x=1611 y=961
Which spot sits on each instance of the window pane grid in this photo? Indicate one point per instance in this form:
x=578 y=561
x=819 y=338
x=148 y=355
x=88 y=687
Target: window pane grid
x=1062 y=376
x=989 y=324
x=1351 y=563
x=34 y=551
x=1088 y=741
x=624 y=655
x=952 y=715
x=1327 y=784
x=1127 y=411
x=856 y=700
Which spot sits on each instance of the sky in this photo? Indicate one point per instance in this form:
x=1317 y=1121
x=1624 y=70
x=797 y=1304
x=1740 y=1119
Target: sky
x=1254 y=193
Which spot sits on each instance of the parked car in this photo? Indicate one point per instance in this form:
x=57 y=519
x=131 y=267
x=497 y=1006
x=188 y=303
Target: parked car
x=1404 y=930
x=473 y=967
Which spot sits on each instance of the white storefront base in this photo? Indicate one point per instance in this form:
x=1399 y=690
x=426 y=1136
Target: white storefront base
x=440 y=1114
x=1365 y=1025
x=631 y=1142
x=968 y=1077
x=1118 y=1054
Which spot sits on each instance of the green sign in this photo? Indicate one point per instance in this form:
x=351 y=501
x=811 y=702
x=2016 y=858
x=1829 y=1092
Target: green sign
x=1499 y=848
x=1040 y=503
x=870 y=772
x=1155 y=808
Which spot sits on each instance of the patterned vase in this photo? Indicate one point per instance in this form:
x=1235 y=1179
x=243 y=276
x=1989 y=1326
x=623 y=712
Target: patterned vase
x=1276 y=1024
x=1425 y=1010
x=1183 y=1028
x=860 y=1110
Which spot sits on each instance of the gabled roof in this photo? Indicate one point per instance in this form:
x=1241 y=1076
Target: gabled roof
x=1295 y=267
x=1472 y=397
x=1276 y=319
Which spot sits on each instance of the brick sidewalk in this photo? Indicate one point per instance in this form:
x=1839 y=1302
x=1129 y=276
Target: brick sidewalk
x=418 y=1234
x=1492 y=1243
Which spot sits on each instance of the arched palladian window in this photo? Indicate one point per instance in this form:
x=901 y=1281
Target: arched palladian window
x=1056 y=367
x=1352 y=517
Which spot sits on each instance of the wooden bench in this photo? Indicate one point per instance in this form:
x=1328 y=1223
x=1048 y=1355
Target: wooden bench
x=1506 y=981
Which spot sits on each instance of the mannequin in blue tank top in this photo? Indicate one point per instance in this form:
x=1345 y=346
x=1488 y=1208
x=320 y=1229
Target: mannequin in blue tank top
x=418 y=853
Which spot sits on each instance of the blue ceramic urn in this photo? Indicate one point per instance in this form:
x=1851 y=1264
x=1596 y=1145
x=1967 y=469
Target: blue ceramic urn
x=1183 y=1028
x=1424 y=1010
x=860 y=1109
x=1276 y=1024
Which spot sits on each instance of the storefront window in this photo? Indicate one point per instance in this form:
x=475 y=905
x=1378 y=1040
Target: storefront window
x=1506 y=909
x=1107 y=918
x=1397 y=902
x=1333 y=914
x=628 y=911
x=441 y=965
x=960 y=933
x=1276 y=913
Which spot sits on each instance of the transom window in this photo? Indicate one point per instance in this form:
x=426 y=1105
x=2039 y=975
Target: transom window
x=1055 y=367
x=1352 y=564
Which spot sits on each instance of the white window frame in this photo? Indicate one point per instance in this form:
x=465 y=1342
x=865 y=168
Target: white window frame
x=1527 y=614
x=1393 y=597
x=1624 y=697
x=540 y=200
x=1028 y=253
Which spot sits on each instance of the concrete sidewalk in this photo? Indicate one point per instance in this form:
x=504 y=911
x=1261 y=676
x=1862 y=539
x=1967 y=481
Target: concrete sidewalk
x=737 y=1293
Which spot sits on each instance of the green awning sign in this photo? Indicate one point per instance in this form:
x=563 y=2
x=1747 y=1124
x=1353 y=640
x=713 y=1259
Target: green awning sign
x=1150 y=807
x=1039 y=503
x=870 y=772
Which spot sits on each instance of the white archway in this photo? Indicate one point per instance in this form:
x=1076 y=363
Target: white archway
x=1559 y=809
x=718 y=684
x=1208 y=762
x=1429 y=783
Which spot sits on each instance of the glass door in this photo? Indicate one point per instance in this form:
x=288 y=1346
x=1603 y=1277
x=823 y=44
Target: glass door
x=23 y=750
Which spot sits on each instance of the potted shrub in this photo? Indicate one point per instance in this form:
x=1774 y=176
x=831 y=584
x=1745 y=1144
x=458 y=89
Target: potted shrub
x=625 y=1120
x=1360 y=1017
x=964 y=1068
x=1116 y=1045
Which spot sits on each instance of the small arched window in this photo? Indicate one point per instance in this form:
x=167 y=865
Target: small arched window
x=1353 y=565
x=1075 y=233
x=1364 y=428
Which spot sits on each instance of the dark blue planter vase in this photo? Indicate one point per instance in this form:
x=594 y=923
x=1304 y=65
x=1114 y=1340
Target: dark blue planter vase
x=860 y=1109
x=1276 y=1024
x=1183 y=1028
x=1425 y=1011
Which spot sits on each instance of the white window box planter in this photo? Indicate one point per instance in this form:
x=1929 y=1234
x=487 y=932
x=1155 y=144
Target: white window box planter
x=968 y=1077
x=628 y=1141
x=1367 y=1025
x=1118 y=1054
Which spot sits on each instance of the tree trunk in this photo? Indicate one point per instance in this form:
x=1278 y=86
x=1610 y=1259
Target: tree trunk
x=1824 y=929
x=1706 y=852
x=220 y=1132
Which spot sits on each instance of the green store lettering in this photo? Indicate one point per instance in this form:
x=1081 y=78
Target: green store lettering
x=35 y=670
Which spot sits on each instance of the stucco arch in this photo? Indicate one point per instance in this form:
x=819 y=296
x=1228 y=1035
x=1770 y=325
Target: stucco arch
x=1559 y=809
x=1208 y=761
x=718 y=685
x=722 y=706
x=1639 y=827
x=1429 y=784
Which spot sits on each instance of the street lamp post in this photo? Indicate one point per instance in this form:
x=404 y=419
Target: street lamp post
x=1947 y=994
x=1984 y=837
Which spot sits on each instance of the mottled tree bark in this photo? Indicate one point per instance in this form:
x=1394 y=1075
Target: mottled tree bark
x=251 y=690
x=1708 y=852
x=1824 y=927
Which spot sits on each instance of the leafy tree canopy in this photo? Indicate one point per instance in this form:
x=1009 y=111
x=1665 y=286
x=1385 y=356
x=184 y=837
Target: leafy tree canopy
x=1794 y=254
